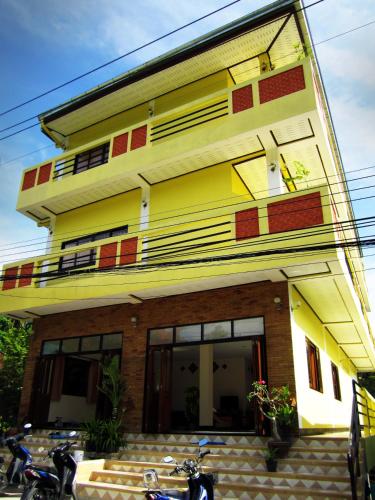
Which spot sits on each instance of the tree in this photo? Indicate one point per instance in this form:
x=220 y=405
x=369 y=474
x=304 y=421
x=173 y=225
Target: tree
x=14 y=344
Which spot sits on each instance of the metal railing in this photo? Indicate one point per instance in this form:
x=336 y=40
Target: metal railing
x=363 y=420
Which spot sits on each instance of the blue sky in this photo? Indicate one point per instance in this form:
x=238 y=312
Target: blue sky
x=45 y=43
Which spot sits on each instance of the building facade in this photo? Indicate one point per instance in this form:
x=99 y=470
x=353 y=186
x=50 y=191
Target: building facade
x=201 y=231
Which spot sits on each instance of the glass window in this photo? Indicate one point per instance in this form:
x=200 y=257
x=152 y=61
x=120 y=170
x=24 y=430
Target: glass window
x=336 y=382
x=248 y=326
x=70 y=345
x=313 y=362
x=161 y=336
x=188 y=333
x=220 y=330
x=51 y=347
x=112 y=341
x=90 y=343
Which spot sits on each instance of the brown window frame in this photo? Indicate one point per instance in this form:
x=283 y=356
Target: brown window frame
x=313 y=363
x=336 y=382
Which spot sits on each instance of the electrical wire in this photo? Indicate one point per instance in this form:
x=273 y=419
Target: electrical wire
x=62 y=236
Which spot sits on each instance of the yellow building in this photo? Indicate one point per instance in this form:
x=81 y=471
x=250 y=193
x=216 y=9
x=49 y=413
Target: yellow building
x=201 y=230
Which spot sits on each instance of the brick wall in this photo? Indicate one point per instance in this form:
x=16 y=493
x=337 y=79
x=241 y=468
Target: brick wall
x=225 y=303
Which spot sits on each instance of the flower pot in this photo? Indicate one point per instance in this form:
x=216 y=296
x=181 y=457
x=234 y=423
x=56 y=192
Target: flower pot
x=271 y=464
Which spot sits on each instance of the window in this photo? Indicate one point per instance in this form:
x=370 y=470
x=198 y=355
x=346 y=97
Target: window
x=77 y=260
x=90 y=159
x=104 y=342
x=313 y=363
x=86 y=257
x=336 y=382
x=101 y=235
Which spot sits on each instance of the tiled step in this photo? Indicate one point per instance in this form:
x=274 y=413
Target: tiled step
x=297 y=450
x=333 y=467
x=117 y=472
x=95 y=490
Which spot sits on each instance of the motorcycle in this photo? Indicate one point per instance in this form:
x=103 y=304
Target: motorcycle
x=13 y=479
x=53 y=483
x=201 y=485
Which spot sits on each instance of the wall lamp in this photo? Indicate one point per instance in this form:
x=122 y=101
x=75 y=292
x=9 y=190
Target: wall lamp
x=134 y=321
x=278 y=303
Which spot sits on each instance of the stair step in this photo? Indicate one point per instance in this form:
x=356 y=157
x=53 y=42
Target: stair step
x=93 y=490
x=134 y=476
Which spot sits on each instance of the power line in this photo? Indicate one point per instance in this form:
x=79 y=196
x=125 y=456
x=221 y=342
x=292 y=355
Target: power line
x=97 y=68
x=114 y=60
x=177 y=215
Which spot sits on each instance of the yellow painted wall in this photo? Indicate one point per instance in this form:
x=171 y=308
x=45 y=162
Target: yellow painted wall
x=196 y=192
x=316 y=409
x=105 y=214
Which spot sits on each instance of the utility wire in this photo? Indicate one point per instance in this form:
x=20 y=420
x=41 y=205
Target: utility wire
x=181 y=213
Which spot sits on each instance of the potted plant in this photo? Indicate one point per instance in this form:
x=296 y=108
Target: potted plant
x=270 y=457
x=103 y=436
x=276 y=404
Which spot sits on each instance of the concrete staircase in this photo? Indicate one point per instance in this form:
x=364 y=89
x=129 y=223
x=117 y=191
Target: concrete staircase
x=315 y=468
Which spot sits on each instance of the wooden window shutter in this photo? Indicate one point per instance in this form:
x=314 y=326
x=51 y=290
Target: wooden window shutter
x=242 y=99
x=58 y=378
x=247 y=223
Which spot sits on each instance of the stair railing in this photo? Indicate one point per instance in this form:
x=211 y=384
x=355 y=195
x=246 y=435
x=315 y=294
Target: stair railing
x=363 y=419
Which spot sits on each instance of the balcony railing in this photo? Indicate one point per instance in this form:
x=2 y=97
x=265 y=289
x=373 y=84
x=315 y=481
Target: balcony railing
x=253 y=94
x=253 y=226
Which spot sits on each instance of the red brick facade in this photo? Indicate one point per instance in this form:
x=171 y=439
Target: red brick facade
x=221 y=304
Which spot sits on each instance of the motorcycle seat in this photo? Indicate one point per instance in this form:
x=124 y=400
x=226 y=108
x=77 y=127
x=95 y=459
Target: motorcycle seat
x=45 y=468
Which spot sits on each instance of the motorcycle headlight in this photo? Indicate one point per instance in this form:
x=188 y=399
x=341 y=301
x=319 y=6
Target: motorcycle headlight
x=150 y=479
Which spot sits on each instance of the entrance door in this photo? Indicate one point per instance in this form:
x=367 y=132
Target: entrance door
x=42 y=390
x=158 y=389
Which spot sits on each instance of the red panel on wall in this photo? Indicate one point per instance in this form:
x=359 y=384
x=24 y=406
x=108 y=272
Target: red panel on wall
x=11 y=278
x=120 y=144
x=25 y=274
x=108 y=255
x=139 y=137
x=282 y=84
x=44 y=173
x=129 y=251
x=247 y=224
x=242 y=99
x=295 y=213
x=29 y=179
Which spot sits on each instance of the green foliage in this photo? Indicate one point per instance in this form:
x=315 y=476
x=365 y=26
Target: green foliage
x=275 y=402
x=367 y=380
x=4 y=426
x=112 y=385
x=301 y=172
x=271 y=453
x=14 y=343
x=104 y=436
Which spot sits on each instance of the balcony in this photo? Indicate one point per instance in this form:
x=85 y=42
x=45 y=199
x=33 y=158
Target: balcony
x=232 y=244
x=277 y=109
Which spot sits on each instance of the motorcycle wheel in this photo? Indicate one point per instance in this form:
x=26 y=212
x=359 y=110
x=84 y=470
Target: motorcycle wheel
x=32 y=492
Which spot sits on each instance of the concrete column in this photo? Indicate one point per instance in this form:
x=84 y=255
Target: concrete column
x=276 y=184
x=206 y=384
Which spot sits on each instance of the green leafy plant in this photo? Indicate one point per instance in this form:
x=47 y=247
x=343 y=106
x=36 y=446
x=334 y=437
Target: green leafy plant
x=112 y=385
x=103 y=436
x=4 y=425
x=270 y=453
x=274 y=402
x=301 y=173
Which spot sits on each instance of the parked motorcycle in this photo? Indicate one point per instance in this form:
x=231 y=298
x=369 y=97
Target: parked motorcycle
x=201 y=485
x=53 y=483
x=13 y=479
